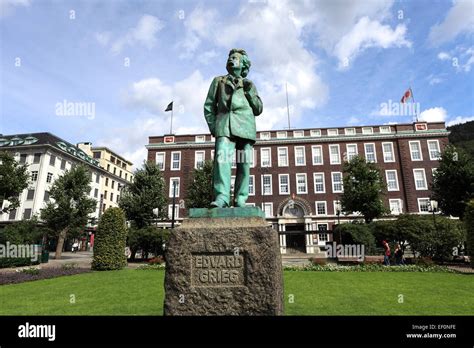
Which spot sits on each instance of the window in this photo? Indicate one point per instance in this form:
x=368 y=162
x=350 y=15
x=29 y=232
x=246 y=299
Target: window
x=282 y=157
x=96 y=155
x=115 y=170
x=108 y=167
x=265 y=135
x=388 y=155
x=170 y=211
x=212 y=155
x=315 y=132
x=12 y=215
x=120 y=174
x=392 y=180
x=34 y=175
x=349 y=131
x=97 y=178
x=267 y=184
x=27 y=214
x=334 y=154
x=423 y=205
x=284 y=180
x=433 y=147
x=333 y=132
x=395 y=206
x=105 y=195
x=370 y=155
x=96 y=193
x=126 y=176
x=336 y=182
x=200 y=139
x=52 y=160
x=37 y=158
x=319 y=185
x=111 y=196
x=367 y=130
x=321 y=208
x=351 y=151
x=49 y=177
x=160 y=160
x=118 y=198
x=301 y=185
x=323 y=237
x=420 y=179
x=30 y=195
x=281 y=135
x=415 y=151
x=113 y=184
x=174 y=182
x=106 y=181
x=298 y=134
x=63 y=164
x=300 y=157
x=267 y=209
x=46 y=196
x=175 y=160
x=251 y=185
x=199 y=157
x=23 y=158
x=385 y=129
x=317 y=154
x=265 y=157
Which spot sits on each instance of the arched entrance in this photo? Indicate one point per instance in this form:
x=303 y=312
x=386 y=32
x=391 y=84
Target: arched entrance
x=292 y=212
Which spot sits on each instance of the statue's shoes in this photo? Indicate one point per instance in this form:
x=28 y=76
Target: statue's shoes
x=218 y=204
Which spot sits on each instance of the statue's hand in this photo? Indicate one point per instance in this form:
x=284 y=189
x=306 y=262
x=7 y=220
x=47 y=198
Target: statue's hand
x=248 y=85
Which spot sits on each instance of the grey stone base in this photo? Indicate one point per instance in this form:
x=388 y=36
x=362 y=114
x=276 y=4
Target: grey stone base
x=225 y=266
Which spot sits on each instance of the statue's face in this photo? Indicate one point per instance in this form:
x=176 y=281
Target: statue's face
x=234 y=64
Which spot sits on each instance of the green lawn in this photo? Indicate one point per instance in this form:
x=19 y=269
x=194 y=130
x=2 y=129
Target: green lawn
x=132 y=292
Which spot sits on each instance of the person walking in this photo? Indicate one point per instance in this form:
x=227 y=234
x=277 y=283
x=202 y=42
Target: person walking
x=386 y=256
x=398 y=255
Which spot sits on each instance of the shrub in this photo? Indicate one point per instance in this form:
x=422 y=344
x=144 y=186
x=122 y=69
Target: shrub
x=357 y=233
x=469 y=225
x=149 y=240
x=31 y=271
x=17 y=262
x=109 y=246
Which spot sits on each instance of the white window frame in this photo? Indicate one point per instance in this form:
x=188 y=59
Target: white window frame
x=315 y=132
x=304 y=156
x=338 y=154
x=400 y=204
x=271 y=185
x=196 y=156
x=269 y=157
x=267 y=204
x=312 y=155
x=172 y=161
x=287 y=157
x=200 y=139
x=367 y=130
x=279 y=184
x=253 y=185
x=392 y=152
x=298 y=134
x=375 y=152
x=333 y=130
x=419 y=205
x=324 y=182
x=164 y=159
x=265 y=135
x=424 y=178
x=170 y=211
x=396 y=179
x=342 y=182
x=347 y=151
x=177 y=186
x=429 y=150
x=325 y=208
x=350 y=131
x=306 y=183
x=281 y=135
x=419 y=147
x=385 y=129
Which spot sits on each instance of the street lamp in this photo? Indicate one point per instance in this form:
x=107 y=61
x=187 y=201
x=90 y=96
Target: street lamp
x=434 y=208
x=338 y=213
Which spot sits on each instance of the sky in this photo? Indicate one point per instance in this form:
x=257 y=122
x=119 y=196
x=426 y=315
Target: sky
x=342 y=62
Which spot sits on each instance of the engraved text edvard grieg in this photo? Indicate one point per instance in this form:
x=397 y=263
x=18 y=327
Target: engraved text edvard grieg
x=217 y=270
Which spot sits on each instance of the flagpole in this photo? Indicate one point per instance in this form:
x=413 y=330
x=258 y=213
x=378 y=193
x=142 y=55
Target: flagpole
x=413 y=98
x=171 y=125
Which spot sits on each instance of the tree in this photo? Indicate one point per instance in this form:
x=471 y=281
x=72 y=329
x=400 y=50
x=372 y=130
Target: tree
x=469 y=225
x=357 y=233
x=22 y=232
x=14 y=179
x=69 y=207
x=363 y=189
x=199 y=192
x=110 y=241
x=453 y=184
x=148 y=239
x=145 y=193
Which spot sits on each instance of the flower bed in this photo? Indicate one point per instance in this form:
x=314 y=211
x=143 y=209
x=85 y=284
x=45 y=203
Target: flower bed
x=369 y=268
x=31 y=274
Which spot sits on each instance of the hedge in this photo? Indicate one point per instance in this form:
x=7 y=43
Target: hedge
x=17 y=262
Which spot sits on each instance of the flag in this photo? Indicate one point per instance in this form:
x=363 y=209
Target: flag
x=169 y=107
x=406 y=95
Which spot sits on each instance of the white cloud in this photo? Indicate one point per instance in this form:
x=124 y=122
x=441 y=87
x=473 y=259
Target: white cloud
x=444 y=56
x=434 y=80
x=461 y=57
x=144 y=33
x=7 y=7
x=436 y=114
x=366 y=34
x=459 y=119
x=459 y=19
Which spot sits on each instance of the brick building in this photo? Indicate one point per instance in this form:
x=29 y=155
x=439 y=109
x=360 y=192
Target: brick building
x=296 y=175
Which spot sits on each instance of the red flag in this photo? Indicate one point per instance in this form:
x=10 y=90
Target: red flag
x=406 y=96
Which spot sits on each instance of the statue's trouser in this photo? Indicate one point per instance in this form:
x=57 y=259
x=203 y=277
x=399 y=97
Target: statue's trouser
x=224 y=154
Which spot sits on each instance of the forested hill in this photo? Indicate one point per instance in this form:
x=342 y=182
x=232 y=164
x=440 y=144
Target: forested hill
x=462 y=135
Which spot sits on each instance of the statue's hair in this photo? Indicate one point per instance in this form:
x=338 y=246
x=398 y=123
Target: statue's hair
x=246 y=63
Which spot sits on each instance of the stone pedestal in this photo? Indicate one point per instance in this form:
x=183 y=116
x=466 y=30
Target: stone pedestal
x=224 y=262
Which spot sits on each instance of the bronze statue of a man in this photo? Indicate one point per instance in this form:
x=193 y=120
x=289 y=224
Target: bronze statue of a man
x=230 y=109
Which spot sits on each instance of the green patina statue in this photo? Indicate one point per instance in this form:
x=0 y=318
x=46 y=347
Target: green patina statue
x=230 y=109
